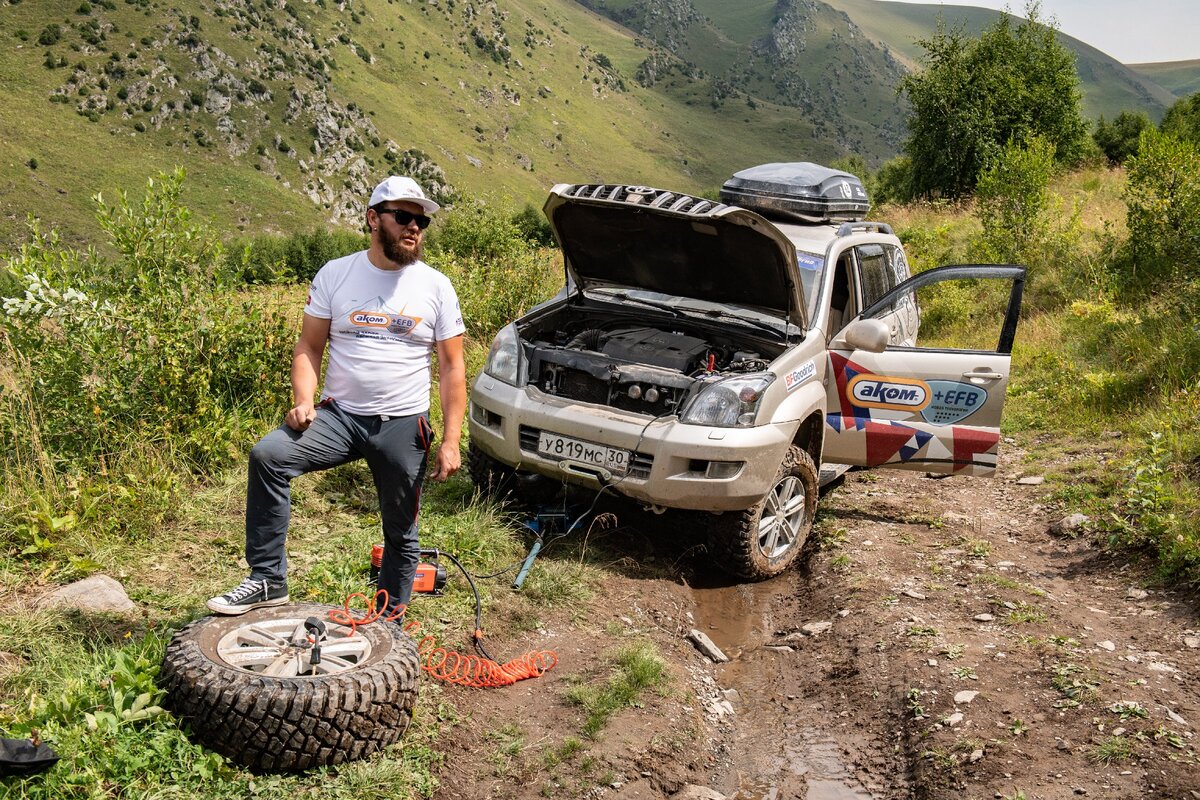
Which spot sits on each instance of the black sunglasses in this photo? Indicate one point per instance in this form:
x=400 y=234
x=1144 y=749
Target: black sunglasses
x=404 y=217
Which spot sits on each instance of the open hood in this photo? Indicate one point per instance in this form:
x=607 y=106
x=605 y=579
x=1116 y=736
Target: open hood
x=636 y=237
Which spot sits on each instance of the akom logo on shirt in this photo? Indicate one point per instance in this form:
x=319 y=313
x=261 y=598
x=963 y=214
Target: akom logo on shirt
x=396 y=323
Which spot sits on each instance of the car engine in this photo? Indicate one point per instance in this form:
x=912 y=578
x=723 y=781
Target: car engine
x=645 y=369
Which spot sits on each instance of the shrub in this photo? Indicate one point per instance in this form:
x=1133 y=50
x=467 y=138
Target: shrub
x=1118 y=140
x=1012 y=197
x=1182 y=119
x=1162 y=195
x=276 y=259
x=145 y=349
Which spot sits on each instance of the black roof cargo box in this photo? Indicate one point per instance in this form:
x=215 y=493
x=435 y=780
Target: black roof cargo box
x=798 y=192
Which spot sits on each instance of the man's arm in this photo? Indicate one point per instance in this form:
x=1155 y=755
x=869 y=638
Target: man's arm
x=306 y=371
x=452 y=390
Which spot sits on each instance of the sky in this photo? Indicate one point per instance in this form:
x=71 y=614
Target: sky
x=1131 y=32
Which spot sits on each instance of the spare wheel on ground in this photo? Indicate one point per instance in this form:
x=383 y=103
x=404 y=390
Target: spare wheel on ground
x=247 y=687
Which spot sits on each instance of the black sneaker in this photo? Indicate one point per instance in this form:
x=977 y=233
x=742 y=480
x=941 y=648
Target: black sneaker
x=250 y=594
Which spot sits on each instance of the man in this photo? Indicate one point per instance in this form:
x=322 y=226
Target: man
x=381 y=311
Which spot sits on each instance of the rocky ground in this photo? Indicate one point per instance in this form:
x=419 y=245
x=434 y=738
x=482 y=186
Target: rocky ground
x=949 y=639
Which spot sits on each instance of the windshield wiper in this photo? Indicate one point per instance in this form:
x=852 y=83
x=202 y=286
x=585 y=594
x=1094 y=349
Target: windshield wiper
x=672 y=310
x=762 y=326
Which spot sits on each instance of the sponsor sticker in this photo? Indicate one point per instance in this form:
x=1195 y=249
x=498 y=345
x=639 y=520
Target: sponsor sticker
x=809 y=262
x=799 y=375
x=952 y=401
x=880 y=391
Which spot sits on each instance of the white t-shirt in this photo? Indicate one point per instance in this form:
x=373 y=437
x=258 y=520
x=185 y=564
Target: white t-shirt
x=383 y=327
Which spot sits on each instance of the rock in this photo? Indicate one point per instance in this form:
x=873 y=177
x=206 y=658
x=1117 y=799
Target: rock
x=1031 y=480
x=915 y=595
x=954 y=719
x=1158 y=666
x=1063 y=744
x=1005 y=564
x=1069 y=526
x=933 y=662
x=732 y=695
x=1106 y=645
x=965 y=696
x=1137 y=594
x=816 y=628
x=1192 y=642
x=976 y=755
x=1171 y=715
x=778 y=648
x=845 y=612
x=693 y=792
x=706 y=646
x=983 y=618
x=1118 y=731
x=96 y=593
x=626 y=620
x=722 y=708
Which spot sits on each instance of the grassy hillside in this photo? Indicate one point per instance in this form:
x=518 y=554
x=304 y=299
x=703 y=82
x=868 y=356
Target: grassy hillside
x=1109 y=87
x=285 y=114
x=1180 y=77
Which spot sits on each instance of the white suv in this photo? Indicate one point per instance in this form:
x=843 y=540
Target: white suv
x=711 y=357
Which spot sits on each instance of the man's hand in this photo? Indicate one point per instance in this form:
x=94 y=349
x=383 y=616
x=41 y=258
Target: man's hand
x=301 y=416
x=447 y=462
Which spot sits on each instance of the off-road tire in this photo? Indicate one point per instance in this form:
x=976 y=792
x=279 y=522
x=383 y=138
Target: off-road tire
x=280 y=724
x=494 y=480
x=736 y=539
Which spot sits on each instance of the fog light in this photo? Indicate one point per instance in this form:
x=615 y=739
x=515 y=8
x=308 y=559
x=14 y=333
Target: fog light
x=652 y=395
x=635 y=392
x=723 y=469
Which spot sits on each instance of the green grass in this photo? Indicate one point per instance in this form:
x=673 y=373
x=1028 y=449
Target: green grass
x=635 y=669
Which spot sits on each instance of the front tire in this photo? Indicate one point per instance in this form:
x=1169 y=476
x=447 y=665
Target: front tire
x=766 y=539
x=494 y=480
x=251 y=694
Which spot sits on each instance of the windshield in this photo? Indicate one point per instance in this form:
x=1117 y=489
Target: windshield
x=812 y=269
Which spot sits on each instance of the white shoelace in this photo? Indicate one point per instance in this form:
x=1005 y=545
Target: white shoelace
x=247 y=588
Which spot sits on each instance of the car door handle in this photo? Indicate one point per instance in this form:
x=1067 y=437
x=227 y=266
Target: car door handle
x=983 y=376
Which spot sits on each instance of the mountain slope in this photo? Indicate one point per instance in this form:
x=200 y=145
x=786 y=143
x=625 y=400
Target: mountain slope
x=1108 y=86
x=284 y=113
x=1182 y=78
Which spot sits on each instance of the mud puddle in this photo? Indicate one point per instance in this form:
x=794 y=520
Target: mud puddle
x=780 y=747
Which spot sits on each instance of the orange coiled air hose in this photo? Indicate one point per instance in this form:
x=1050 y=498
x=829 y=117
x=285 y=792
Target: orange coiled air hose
x=477 y=672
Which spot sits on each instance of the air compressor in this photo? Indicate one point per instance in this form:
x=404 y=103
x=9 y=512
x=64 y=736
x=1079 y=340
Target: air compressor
x=430 y=577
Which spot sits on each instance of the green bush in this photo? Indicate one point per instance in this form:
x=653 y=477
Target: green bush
x=280 y=259
x=1182 y=119
x=1162 y=195
x=148 y=349
x=1118 y=140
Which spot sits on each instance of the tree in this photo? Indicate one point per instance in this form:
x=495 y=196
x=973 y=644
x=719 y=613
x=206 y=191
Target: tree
x=1182 y=119
x=1012 y=199
x=975 y=95
x=1162 y=195
x=1118 y=140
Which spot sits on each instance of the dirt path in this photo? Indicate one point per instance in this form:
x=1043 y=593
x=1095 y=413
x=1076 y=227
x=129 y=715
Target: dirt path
x=943 y=644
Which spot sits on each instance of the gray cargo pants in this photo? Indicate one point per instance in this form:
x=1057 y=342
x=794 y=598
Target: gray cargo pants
x=395 y=449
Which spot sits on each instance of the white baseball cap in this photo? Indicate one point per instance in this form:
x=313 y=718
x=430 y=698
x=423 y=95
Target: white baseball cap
x=395 y=187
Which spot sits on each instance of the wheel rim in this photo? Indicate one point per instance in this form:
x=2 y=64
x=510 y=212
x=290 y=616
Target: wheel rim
x=280 y=648
x=784 y=517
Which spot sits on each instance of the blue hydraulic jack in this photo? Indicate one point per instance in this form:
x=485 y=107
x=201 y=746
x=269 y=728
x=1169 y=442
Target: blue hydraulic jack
x=553 y=523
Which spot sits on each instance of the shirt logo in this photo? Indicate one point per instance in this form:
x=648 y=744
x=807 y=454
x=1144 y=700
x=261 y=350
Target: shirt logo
x=394 y=323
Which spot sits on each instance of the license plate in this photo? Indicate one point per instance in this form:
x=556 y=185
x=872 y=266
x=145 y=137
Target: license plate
x=564 y=448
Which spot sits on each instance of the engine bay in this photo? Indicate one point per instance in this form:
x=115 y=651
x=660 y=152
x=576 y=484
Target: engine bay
x=648 y=367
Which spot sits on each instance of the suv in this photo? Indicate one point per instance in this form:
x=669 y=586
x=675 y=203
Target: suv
x=730 y=357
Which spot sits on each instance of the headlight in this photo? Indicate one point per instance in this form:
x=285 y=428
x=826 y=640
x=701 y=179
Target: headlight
x=731 y=403
x=504 y=360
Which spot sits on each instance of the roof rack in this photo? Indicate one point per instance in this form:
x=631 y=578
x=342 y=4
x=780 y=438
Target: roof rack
x=864 y=226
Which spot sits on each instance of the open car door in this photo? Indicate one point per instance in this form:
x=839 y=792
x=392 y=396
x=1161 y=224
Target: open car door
x=934 y=407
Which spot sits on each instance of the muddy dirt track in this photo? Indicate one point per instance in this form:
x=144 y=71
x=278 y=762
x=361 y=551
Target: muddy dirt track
x=945 y=642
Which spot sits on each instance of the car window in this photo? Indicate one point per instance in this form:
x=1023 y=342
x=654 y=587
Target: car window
x=876 y=271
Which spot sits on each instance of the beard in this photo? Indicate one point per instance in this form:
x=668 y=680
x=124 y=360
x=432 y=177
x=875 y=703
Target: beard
x=399 y=252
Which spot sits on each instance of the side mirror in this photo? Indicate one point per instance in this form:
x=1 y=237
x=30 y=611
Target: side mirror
x=867 y=334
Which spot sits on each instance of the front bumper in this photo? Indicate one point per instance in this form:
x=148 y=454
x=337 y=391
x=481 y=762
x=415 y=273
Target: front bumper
x=670 y=464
